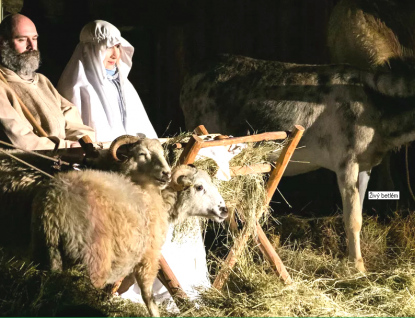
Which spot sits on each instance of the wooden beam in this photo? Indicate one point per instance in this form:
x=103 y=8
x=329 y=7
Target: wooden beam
x=278 y=135
x=269 y=252
x=169 y=280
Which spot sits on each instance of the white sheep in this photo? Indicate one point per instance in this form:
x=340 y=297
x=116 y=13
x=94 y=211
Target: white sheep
x=114 y=227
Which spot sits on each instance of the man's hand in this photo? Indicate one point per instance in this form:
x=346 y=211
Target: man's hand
x=75 y=144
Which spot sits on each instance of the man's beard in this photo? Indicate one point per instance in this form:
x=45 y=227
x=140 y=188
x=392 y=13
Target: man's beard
x=25 y=63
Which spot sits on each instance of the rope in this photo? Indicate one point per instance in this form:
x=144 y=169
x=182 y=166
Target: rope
x=35 y=153
x=26 y=163
x=407 y=172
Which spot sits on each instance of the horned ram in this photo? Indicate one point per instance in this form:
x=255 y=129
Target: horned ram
x=140 y=160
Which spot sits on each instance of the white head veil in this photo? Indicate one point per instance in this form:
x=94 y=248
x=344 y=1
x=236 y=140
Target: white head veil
x=84 y=83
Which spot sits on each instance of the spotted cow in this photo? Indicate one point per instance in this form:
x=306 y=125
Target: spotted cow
x=352 y=117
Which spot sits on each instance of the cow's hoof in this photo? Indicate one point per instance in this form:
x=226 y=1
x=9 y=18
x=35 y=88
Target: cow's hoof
x=360 y=265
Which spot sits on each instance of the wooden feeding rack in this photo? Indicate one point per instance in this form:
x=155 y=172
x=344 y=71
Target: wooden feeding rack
x=277 y=170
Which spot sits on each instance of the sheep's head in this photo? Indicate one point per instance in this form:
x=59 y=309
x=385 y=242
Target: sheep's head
x=142 y=159
x=197 y=195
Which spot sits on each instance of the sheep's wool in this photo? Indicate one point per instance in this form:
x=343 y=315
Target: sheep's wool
x=84 y=83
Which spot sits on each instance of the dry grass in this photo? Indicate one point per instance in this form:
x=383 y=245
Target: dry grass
x=324 y=284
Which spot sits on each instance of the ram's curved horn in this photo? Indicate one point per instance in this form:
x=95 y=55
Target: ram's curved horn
x=182 y=177
x=120 y=141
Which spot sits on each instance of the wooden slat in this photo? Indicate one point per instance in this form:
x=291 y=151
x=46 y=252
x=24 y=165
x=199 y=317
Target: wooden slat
x=268 y=250
x=231 y=258
x=166 y=274
x=282 y=162
x=278 y=135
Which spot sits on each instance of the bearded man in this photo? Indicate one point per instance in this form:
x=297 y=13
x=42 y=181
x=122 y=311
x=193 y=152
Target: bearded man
x=20 y=58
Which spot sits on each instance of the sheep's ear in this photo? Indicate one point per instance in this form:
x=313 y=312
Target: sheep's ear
x=141 y=135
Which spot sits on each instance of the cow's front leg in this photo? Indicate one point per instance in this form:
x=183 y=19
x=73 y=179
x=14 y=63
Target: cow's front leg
x=352 y=212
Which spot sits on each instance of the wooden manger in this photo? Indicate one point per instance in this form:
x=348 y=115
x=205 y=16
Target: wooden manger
x=188 y=156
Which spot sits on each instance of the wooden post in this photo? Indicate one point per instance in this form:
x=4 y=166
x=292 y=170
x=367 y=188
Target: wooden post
x=242 y=170
x=169 y=280
x=236 y=140
x=166 y=275
x=269 y=252
x=200 y=130
x=282 y=162
x=88 y=146
x=233 y=255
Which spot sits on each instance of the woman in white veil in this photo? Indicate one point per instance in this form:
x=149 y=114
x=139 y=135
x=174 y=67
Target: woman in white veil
x=95 y=80
x=109 y=103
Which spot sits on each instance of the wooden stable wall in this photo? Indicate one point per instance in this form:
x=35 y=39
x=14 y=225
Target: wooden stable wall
x=168 y=35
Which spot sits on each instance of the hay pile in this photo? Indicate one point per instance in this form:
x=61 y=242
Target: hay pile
x=325 y=285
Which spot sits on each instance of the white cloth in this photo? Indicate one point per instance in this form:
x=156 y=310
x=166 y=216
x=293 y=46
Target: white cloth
x=221 y=155
x=85 y=84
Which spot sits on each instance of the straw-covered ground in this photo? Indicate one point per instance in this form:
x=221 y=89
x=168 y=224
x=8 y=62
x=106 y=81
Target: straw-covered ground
x=313 y=250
